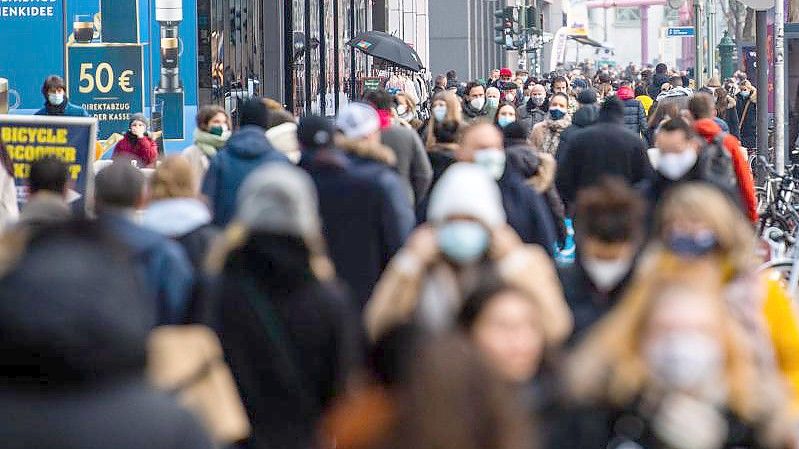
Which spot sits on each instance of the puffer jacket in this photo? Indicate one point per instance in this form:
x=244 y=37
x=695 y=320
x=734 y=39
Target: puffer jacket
x=634 y=114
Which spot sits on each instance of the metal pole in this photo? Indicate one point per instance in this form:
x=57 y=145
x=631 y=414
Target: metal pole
x=288 y=55
x=762 y=84
x=711 y=38
x=699 y=67
x=644 y=34
x=779 y=85
x=605 y=26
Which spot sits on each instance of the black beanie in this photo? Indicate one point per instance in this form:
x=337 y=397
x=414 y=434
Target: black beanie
x=587 y=96
x=254 y=112
x=514 y=131
x=315 y=132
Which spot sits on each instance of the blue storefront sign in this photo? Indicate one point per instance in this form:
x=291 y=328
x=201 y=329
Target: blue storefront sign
x=680 y=32
x=28 y=138
x=31 y=34
x=107 y=81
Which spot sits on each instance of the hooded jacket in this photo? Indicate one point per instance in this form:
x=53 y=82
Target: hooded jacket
x=583 y=118
x=72 y=373
x=606 y=148
x=245 y=150
x=708 y=129
x=364 y=207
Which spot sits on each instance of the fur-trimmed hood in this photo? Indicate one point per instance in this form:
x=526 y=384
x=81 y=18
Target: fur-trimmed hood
x=545 y=177
x=367 y=150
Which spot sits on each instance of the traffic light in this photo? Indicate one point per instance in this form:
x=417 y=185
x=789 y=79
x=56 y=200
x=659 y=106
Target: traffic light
x=505 y=27
x=532 y=19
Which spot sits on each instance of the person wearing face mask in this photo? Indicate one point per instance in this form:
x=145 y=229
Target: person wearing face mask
x=534 y=110
x=609 y=232
x=510 y=93
x=697 y=223
x=211 y=134
x=682 y=159
x=281 y=132
x=466 y=233
x=606 y=148
x=493 y=99
x=506 y=114
x=525 y=208
x=746 y=106
x=56 y=102
x=137 y=143
x=545 y=135
x=586 y=115
x=474 y=102
x=445 y=107
x=669 y=368
x=406 y=111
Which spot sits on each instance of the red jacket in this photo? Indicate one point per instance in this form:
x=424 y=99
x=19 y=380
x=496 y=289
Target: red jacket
x=143 y=149
x=708 y=129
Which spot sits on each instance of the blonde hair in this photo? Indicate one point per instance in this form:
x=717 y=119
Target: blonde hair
x=173 y=178
x=705 y=204
x=453 y=115
x=609 y=365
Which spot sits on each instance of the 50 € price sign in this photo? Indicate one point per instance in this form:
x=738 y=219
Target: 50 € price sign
x=106 y=80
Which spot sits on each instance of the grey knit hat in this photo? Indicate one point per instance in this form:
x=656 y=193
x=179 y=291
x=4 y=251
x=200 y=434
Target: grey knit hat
x=138 y=117
x=279 y=198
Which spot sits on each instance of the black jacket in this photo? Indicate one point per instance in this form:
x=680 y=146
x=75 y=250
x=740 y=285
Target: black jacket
x=72 y=371
x=527 y=210
x=586 y=116
x=365 y=212
x=635 y=117
x=289 y=339
x=657 y=82
x=748 y=122
x=606 y=148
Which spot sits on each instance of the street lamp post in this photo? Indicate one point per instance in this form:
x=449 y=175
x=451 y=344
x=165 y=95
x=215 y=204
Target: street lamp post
x=711 y=37
x=699 y=40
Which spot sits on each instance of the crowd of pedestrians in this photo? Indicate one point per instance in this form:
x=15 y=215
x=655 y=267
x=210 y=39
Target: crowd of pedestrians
x=379 y=281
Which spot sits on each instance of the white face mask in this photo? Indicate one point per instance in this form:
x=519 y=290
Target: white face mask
x=606 y=274
x=55 y=99
x=402 y=109
x=492 y=160
x=478 y=103
x=675 y=165
x=688 y=361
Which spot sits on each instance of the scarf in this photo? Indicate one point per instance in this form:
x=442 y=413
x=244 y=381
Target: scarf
x=552 y=136
x=56 y=110
x=209 y=143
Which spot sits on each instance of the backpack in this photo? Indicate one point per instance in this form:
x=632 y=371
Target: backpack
x=716 y=165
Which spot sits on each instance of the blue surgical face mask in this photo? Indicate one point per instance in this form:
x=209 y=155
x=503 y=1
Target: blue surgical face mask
x=745 y=93
x=557 y=114
x=463 y=242
x=505 y=121
x=55 y=99
x=492 y=102
x=692 y=245
x=440 y=113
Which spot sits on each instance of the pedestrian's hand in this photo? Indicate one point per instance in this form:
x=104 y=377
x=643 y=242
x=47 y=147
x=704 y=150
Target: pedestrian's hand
x=683 y=422
x=423 y=244
x=504 y=241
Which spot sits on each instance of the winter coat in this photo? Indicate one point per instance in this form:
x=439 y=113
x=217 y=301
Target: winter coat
x=284 y=138
x=730 y=116
x=364 y=207
x=288 y=337
x=412 y=163
x=546 y=134
x=527 y=211
x=432 y=295
x=747 y=122
x=143 y=150
x=70 y=110
x=606 y=148
x=646 y=102
x=539 y=171
x=44 y=208
x=657 y=81
x=528 y=115
x=205 y=147
x=635 y=117
x=245 y=151
x=708 y=130
x=587 y=303
x=73 y=377
x=441 y=156
x=165 y=270
x=586 y=116
x=9 y=208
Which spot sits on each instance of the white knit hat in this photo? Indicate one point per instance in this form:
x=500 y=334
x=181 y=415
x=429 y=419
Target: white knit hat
x=358 y=120
x=466 y=190
x=279 y=198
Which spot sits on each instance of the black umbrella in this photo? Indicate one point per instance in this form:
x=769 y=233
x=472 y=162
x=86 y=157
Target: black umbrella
x=387 y=47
